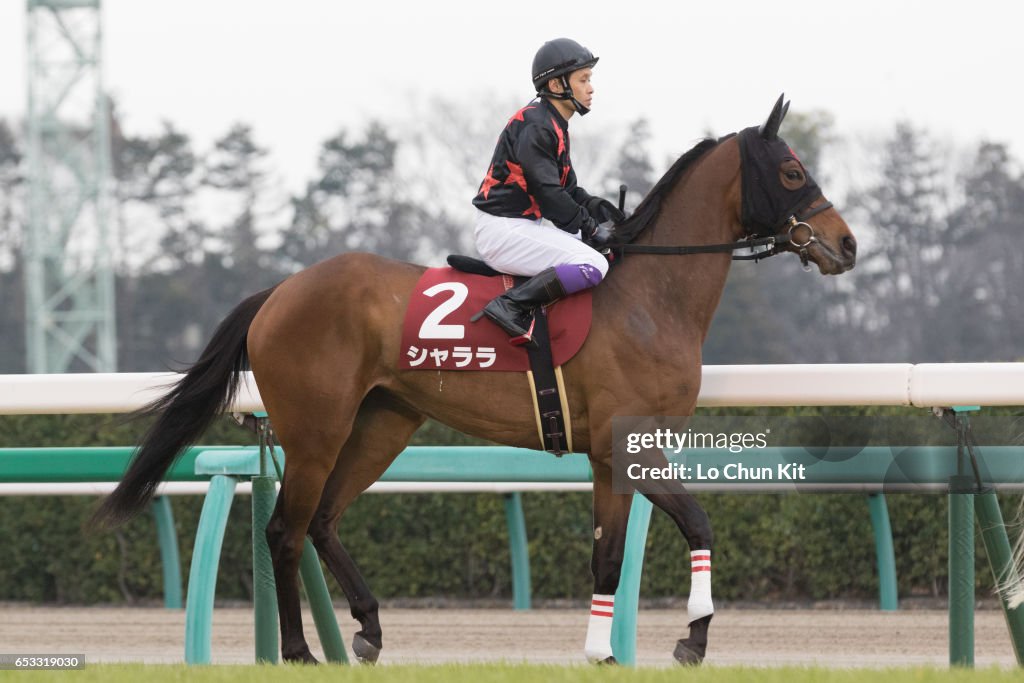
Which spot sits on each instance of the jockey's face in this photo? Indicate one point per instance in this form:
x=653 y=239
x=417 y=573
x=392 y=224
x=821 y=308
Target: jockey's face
x=582 y=90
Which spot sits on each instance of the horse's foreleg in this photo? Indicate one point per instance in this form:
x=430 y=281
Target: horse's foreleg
x=695 y=526
x=611 y=513
x=380 y=432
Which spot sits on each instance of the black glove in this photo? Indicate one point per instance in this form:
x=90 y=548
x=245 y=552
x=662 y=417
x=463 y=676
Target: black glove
x=597 y=234
x=603 y=210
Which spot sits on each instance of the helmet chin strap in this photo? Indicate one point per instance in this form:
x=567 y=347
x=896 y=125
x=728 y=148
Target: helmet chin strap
x=567 y=94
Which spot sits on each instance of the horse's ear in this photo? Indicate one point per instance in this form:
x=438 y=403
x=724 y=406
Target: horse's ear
x=770 y=128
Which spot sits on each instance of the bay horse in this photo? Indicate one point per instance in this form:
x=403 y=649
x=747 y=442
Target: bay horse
x=324 y=346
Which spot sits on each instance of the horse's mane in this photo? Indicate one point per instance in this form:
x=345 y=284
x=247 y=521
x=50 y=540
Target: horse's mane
x=650 y=207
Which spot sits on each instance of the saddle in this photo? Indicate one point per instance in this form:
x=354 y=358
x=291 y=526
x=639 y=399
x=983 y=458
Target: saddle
x=437 y=335
x=468 y=264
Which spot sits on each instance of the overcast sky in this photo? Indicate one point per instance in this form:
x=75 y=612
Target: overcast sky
x=299 y=70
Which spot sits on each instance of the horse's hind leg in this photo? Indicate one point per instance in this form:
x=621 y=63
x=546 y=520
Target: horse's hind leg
x=380 y=432
x=311 y=440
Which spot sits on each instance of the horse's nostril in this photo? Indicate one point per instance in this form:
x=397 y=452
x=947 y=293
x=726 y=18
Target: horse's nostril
x=849 y=246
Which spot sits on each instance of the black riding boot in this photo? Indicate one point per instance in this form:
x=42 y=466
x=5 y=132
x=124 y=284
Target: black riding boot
x=513 y=310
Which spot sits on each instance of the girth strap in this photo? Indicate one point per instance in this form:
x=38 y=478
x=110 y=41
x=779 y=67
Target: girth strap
x=547 y=397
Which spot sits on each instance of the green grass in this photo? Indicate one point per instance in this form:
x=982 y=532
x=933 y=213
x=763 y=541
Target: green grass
x=502 y=673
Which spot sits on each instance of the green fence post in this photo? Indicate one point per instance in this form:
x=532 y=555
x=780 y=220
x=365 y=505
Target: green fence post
x=627 y=597
x=961 y=571
x=1000 y=559
x=885 y=556
x=519 y=550
x=320 y=605
x=170 y=560
x=264 y=593
x=202 y=577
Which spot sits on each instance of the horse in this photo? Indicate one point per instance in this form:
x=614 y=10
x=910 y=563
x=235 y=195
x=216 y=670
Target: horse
x=323 y=347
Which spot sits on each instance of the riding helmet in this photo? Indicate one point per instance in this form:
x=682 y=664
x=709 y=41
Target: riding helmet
x=559 y=57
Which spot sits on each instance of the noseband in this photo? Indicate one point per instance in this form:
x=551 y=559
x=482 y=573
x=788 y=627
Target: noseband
x=796 y=221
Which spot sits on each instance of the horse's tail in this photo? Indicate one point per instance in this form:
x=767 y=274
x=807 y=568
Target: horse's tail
x=183 y=414
x=1010 y=580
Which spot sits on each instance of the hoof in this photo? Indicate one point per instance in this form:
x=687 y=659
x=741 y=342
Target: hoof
x=608 y=661
x=690 y=651
x=364 y=650
x=686 y=654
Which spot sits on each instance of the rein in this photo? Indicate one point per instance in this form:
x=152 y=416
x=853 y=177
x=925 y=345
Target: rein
x=772 y=244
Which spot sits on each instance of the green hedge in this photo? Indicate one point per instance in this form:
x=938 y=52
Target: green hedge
x=768 y=547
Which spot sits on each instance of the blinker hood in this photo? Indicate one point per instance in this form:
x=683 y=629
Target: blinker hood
x=767 y=204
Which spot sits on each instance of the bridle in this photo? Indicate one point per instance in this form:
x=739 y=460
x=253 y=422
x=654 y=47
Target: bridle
x=760 y=246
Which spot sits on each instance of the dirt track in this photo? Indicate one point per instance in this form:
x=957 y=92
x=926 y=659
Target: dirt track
x=839 y=638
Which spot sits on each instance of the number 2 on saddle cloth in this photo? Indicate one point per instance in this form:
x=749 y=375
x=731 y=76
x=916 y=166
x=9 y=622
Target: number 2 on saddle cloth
x=437 y=333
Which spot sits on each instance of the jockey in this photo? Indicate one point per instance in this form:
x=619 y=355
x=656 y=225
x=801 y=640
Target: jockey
x=533 y=219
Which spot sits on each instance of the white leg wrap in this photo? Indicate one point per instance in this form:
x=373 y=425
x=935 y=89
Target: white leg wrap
x=699 y=605
x=599 y=630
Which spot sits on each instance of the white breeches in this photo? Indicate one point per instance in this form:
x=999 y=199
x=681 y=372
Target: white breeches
x=521 y=246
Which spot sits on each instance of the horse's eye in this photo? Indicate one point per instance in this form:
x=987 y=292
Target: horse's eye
x=795 y=176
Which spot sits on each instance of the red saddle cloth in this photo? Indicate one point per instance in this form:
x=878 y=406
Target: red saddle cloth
x=437 y=333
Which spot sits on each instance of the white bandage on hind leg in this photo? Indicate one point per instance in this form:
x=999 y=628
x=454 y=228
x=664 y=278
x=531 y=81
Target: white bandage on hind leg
x=699 y=605
x=599 y=630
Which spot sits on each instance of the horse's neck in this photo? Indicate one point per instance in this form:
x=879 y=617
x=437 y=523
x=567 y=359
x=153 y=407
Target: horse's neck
x=684 y=291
